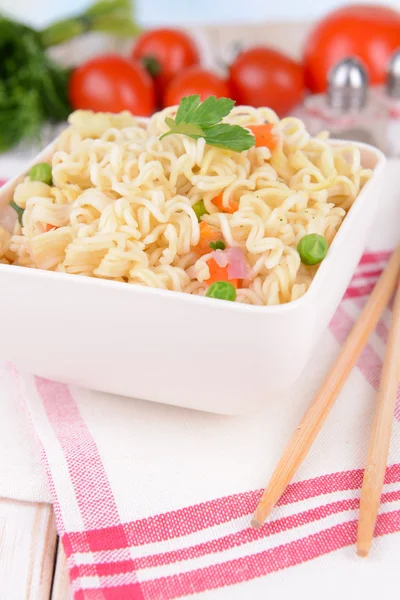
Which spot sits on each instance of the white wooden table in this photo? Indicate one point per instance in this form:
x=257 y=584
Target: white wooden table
x=32 y=562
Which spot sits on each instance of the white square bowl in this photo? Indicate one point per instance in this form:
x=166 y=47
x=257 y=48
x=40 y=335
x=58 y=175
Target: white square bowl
x=172 y=347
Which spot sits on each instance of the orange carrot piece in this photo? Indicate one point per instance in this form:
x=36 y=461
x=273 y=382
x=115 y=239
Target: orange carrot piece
x=47 y=227
x=207 y=235
x=218 y=273
x=264 y=135
x=231 y=208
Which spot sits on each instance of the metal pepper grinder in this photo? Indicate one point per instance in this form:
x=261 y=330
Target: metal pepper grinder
x=389 y=97
x=346 y=110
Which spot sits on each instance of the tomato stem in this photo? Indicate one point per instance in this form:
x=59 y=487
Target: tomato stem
x=151 y=64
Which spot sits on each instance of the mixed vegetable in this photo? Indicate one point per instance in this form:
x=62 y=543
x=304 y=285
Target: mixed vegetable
x=312 y=249
x=222 y=290
x=39 y=172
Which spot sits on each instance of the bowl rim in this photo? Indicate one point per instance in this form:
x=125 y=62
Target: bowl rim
x=203 y=300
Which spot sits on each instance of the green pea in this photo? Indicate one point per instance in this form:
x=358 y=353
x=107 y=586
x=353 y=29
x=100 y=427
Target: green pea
x=218 y=245
x=312 y=249
x=41 y=172
x=222 y=290
x=199 y=209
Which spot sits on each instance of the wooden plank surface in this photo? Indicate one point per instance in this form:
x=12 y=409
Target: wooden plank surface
x=61 y=586
x=27 y=550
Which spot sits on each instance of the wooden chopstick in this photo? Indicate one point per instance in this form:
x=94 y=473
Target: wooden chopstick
x=312 y=421
x=379 y=443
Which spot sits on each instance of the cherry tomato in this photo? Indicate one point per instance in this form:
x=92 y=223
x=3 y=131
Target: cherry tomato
x=369 y=32
x=264 y=77
x=111 y=83
x=195 y=80
x=165 y=52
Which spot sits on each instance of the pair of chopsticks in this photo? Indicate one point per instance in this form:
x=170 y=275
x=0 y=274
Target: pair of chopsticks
x=314 y=418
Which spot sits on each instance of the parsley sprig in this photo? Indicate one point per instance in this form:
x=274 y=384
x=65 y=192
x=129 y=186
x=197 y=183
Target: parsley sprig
x=203 y=119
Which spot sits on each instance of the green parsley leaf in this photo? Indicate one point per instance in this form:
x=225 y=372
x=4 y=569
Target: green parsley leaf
x=186 y=108
x=203 y=119
x=189 y=129
x=211 y=111
x=228 y=136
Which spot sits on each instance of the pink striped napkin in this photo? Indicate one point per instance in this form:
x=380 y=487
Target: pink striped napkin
x=154 y=502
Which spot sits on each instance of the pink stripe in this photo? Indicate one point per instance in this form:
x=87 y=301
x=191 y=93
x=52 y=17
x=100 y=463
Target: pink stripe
x=375 y=257
x=226 y=542
x=119 y=592
x=91 y=486
x=92 y=489
x=194 y=518
x=2 y=182
x=354 y=291
x=359 y=274
x=358 y=291
x=254 y=566
x=382 y=332
x=369 y=363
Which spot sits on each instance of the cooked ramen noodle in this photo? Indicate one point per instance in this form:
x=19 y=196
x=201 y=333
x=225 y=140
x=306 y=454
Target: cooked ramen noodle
x=120 y=206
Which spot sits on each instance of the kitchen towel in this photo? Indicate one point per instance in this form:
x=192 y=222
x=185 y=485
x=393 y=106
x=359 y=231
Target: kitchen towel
x=154 y=502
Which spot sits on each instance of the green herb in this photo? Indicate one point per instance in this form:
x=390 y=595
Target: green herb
x=218 y=245
x=199 y=209
x=109 y=16
x=312 y=249
x=223 y=290
x=18 y=210
x=203 y=120
x=41 y=172
x=33 y=88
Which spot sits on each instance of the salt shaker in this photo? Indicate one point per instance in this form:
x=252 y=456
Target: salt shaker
x=346 y=111
x=389 y=97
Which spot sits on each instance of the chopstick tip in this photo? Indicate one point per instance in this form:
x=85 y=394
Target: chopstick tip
x=255 y=524
x=362 y=552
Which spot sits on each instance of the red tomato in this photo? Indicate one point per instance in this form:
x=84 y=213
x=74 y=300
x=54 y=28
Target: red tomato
x=165 y=52
x=369 y=32
x=264 y=77
x=195 y=80
x=111 y=83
